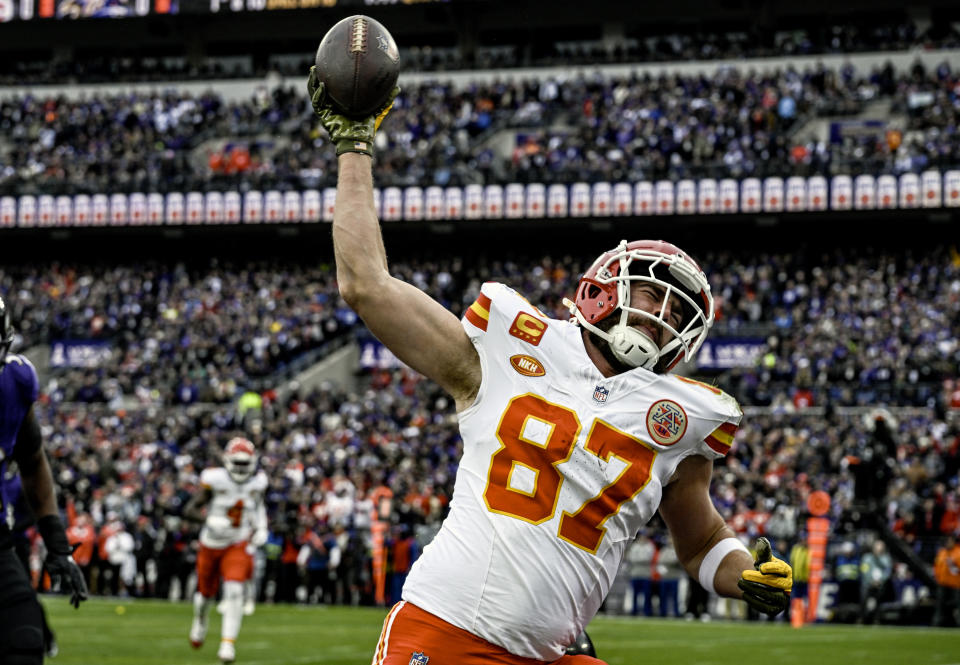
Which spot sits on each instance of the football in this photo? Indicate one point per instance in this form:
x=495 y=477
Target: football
x=358 y=63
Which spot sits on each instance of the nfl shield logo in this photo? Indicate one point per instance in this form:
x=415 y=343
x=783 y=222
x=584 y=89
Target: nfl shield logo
x=417 y=658
x=600 y=394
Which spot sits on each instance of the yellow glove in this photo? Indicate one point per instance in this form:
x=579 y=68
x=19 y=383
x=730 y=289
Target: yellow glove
x=767 y=589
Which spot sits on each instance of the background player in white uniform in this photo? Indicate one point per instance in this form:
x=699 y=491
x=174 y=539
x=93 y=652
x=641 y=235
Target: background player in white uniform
x=574 y=435
x=234 y=524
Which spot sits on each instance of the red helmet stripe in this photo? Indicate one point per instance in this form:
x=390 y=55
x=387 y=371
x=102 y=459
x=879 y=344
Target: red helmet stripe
x=239 y=445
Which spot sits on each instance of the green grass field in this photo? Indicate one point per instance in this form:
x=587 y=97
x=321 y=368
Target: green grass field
x=105 y=632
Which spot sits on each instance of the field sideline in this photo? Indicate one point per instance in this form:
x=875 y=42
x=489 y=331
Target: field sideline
x=127 y=632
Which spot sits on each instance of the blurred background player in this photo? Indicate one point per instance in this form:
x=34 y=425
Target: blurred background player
x=544 y=408
x=22 y=623
x=234 y=523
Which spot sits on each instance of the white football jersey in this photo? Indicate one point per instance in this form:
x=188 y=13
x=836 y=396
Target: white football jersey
x=231 y=509
x=561 y=468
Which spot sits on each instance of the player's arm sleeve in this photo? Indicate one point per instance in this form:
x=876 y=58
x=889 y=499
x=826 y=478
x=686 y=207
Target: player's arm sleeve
x=260 y=512
x=28 y=382
x=476 y=319
x=493 y=310
x=28 y=451
x=722 y=421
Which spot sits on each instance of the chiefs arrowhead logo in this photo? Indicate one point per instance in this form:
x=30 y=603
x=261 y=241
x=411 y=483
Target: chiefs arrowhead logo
x=666 y=422
x=527 y=365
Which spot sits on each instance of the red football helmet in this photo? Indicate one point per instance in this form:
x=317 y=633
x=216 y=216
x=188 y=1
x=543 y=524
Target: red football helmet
x=605 y=288
x=239 y=459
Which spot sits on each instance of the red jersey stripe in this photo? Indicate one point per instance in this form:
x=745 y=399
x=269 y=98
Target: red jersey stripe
x=716 y=445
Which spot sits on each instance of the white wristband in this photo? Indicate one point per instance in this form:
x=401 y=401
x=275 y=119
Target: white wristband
x=711 y=562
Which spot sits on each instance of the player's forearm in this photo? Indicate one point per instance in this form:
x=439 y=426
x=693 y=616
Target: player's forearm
x=260 y=517
x=729 y=573
x=194 y=511
x=357 y=242
x=719 y=562
x=38 y=486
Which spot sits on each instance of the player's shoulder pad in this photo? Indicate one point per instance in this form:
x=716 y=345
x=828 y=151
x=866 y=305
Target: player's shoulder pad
x=260 y=481
x=500 y=308
x=25 y=376
x=709 y=401
x=213 y=478
x=717 y=413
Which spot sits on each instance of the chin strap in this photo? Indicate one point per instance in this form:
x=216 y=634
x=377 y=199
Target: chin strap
x=629 y=346
x=632 y=347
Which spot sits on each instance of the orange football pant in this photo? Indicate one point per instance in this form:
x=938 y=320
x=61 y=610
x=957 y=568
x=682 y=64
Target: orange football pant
x=408 y=630
x=231 y=563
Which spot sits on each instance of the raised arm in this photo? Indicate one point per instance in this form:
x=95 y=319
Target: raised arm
x=416 y=328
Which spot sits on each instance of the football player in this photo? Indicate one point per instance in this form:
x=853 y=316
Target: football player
x=574 y=435
x=21 y=617
x=234 y=524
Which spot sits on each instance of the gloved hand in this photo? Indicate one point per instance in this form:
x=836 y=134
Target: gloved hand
x=767 y=589
x=348 y=134
x=59 y=562
x=582 y=646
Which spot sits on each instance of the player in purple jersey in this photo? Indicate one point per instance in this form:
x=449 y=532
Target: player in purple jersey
x=21 y=617
x=20 y=519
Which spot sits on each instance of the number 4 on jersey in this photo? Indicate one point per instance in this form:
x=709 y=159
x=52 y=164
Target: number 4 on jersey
x=584 y=527
x=235 y=513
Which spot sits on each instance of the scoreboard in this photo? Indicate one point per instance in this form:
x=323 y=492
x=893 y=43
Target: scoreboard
x=31 y=10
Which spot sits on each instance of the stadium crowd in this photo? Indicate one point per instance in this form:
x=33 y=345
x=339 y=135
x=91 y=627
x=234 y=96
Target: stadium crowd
x=666 y=46
x=845 y=328
x=332 y=457
x=176 y=335
x=850 y=328
x=734 y=123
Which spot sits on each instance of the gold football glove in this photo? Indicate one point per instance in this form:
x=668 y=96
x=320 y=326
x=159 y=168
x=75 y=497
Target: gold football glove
x=767 y=589
x=348 y=134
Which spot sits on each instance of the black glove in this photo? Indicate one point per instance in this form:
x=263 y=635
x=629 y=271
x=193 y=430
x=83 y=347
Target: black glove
x=59 y=562
x=767 y=589
x=582 y=646
x=348 y=134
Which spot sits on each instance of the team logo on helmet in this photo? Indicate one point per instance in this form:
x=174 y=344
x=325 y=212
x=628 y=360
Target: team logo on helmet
x=666 y=422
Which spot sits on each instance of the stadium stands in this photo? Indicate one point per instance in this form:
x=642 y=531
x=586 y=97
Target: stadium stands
x=154 y=364
x=844 y=330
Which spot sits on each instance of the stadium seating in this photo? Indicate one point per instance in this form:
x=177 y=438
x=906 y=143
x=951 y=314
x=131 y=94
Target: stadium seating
x=730 y=126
